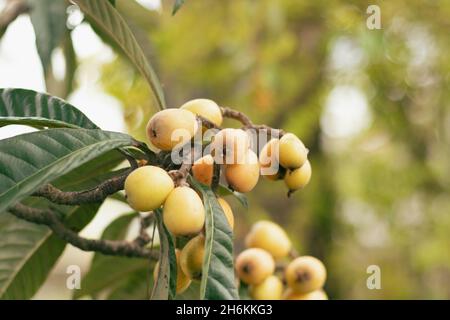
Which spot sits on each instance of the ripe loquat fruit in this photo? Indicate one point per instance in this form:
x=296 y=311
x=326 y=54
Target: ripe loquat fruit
x=315 y=295
x=254 y=265
x=183 y=281
x=184 y=213
x=171 y=127
x=203 y=170
x=191 y=258
x=227 y=211
x=147 y=188
x=293 y=152
x=268 y=160
x=243 y=177
x=270 y=289
x=269 y=236
x=305 y=274
x=298 y=178
x=229 y=146
x=206 y=108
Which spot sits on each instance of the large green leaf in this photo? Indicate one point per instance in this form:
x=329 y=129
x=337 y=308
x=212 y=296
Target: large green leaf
x=29 y=251
x=49 y=22
x=165 y=286
x=134 y=287
x=109 y=272
x=31 y=160
x=27 y=107
x=106 y=17
x=24 y=269
x=191 y=293
x=218 y=269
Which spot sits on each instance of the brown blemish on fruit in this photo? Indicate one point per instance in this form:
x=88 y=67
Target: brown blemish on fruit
x=302 y=276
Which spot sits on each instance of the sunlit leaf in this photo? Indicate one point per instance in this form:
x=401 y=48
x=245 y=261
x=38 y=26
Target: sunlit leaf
x=111 y=22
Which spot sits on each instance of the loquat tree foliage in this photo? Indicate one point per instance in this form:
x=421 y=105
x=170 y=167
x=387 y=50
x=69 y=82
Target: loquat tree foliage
x=54 y=180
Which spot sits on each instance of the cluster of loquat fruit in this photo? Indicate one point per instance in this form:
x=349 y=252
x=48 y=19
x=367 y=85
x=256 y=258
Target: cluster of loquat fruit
x=267 y=243
x=151 y=187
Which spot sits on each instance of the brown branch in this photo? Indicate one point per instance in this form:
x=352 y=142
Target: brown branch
x=179 y=176
x=13 y=9
x=237 y=115
x=94 y=195
x=107 y=247
x=248 y=124
x=206 y=123
x=143 y=238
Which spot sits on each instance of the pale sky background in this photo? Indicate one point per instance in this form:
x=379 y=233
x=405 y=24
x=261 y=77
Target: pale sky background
x=346 y=112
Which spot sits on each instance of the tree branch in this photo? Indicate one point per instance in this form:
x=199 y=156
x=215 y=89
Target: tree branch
x=242 y=118
x=108 y=247
x=248 y=124
x=97 y=194
x=143 y=238
x=237 y=115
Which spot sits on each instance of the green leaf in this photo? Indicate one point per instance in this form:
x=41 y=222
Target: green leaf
x=106 y=17
x=191 y=293
x=135 y=287
x=27 y=107
x=165 y=286
x=49 y=22
x=28 y=251
x=218 y=269
x=31 y=160
x=243 y=292
x=92 y=173
x=224 y=191
x=113 y=2
x=108 y=272
x=177 y=5
x=22 y=278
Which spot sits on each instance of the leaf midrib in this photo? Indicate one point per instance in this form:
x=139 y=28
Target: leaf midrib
x=57 y=162
x=40 y=119
x=209 y=249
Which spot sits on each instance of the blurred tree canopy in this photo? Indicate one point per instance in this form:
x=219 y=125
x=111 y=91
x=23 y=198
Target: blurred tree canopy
x=372 y=104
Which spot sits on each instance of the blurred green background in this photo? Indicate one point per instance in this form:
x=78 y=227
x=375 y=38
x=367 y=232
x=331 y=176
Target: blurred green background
x=372 y=106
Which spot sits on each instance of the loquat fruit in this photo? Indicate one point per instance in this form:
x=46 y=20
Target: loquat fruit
x=293 y=152
x=206 y=108
x=254 y=265
x=243 y=177
x=298 y=178
x=203 y=170
x=269 y=236
x=305 y=274
x=229 y=146
x=315 y=295
x=227 y=211
x=268 y=160
x=270 y=289
x=183 y=281
x=171 y=127
x=191 y=258
x=184 y=213
x=147 y=188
